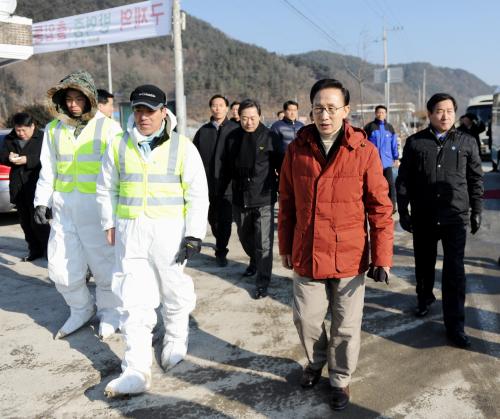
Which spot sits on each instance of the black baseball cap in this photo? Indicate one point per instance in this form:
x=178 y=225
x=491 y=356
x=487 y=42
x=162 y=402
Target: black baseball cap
x=148 y=95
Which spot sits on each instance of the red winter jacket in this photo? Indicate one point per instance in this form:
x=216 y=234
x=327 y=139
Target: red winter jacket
x=323 y=207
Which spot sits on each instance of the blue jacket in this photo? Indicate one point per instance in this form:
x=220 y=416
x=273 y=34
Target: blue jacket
x=286 y=130
x=383 y=136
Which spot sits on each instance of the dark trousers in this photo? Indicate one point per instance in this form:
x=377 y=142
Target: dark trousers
x=392 y=186
x=220 y=218
x=255 y=228
x=453 y=237
x=37 y=236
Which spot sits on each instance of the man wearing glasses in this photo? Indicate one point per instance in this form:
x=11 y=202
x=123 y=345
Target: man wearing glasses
x=331 y=182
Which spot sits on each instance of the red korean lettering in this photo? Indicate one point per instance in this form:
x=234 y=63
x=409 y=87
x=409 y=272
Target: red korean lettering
x=125 y=18
x=156 y=14
x=140 y=17
x=61 y=30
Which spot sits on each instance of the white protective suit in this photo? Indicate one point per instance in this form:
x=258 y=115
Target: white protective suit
x=116 y=125
x=77 y=241
x=146 y=273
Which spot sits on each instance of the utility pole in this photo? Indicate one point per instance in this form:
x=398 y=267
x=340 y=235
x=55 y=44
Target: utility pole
x=110 y=77
x=424 y=81
x=387 y=79
x=387 y=84
x=180 y=100
x=360 y=82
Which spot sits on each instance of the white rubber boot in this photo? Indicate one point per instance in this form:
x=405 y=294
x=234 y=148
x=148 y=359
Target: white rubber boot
x=129 y=382
x=76 y=319
x=173 y=352
x=106 y=330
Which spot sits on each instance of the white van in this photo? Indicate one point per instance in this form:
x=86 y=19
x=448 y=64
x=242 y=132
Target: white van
x=495 y=129
x=481 y=107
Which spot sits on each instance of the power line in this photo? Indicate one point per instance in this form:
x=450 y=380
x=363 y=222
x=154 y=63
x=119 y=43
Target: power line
x=312 y=22
x=320 y=20
x=374 y=9
x=329 y=37
x=388 y=12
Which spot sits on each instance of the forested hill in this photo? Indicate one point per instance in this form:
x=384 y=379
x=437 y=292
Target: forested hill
x=213 y=63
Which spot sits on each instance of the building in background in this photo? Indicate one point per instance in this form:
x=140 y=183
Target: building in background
x=15 y=35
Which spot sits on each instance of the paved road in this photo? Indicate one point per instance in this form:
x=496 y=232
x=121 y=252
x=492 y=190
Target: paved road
x=244 y=356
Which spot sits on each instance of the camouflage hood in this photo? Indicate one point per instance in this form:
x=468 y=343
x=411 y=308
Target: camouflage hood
x=80 y=80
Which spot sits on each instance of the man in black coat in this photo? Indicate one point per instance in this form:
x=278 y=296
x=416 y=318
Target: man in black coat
x=210 y=140
x=250 y=162
x=441 y=179
x=470 y=125
x=21 y=152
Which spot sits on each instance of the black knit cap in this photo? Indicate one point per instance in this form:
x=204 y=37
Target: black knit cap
x=148 y=95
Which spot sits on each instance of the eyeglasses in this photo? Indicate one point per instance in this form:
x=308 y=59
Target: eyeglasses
x=331 y=110
x=441 y=112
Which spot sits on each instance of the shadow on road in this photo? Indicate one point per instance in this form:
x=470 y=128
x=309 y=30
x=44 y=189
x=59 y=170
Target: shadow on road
x=233 y=274
x=230 y=376
x=396 y=308
x=227 y=373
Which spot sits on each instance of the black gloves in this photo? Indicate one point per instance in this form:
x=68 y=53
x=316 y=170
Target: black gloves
x=189 y=247
x=405 y=221
x=475 y=222
x=378 y=274
x=42 y=214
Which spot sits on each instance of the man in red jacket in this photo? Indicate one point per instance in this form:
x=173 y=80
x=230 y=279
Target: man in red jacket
x=331 y=182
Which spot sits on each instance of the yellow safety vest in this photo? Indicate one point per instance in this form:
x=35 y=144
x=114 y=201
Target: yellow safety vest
x=152 y=187
x=78 y=161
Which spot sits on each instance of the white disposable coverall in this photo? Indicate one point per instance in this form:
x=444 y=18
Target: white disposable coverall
x=146 y=273
x=76 y=239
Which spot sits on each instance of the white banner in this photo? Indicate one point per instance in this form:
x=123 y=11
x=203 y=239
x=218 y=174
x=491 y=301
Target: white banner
x=146 y=19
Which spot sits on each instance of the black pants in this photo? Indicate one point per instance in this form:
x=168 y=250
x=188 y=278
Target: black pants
x=256 y=234
x=220 y=218
x=37 y=236
x=392 y=186
x=453 y=237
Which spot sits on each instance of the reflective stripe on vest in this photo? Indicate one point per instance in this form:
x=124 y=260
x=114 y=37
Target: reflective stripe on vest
x=153 y=187
x=78 y=161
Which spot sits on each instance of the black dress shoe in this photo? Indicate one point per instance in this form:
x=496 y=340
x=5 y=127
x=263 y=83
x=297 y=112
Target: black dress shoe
x=260 y=292
x=310 y=377
x=459 y=339
x=422 y=310
x=340 y=398
x=250 y=271
x=221 y=261
x=423 y=307
x=32 y=256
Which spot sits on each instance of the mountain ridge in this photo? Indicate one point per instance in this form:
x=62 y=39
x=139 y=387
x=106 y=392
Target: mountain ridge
x=217 y=63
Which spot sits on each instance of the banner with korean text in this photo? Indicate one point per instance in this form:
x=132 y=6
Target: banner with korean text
x=146 y=19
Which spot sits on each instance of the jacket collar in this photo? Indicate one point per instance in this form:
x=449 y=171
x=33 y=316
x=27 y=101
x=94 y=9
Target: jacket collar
x=352 y=139
x=213 y=124
x=37 y=135
x=447 y=134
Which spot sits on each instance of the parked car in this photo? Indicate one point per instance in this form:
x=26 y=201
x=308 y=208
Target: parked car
x=5 y=205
